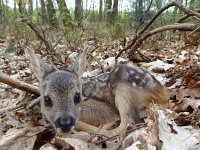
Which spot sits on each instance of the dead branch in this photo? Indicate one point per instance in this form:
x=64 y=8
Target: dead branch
x=9 y=108
x=182 y=19
x=40 y=35
x=6 y=79
x=33 y=103
x=184 y=27
x=176 y=4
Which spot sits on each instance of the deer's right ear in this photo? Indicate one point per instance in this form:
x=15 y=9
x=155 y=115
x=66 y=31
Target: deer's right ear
x=78 y=67
x=39 y=68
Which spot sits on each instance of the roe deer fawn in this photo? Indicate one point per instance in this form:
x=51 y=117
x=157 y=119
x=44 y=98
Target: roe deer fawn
x=122 y=93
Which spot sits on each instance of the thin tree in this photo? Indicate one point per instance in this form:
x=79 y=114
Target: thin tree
x=43 y=12
x=1 y=10
x=108 y=9
x=15 y=11
x=30 y=8
x=100 y=10
x=64 y=11
x=115 y=11
x=51 y=13
x=79 y=12
x=4 y=12
x=21 y=6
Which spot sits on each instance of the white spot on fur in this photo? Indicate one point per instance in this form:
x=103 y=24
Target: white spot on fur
x=137 y=77
x=102 y=84
x=151 y=83
x=140 y=71
x=132 y=72
x=148 y=76
x=130 y=64
x=116 y=69
x=134 y=84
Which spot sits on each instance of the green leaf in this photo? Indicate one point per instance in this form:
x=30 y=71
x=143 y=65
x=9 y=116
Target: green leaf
x=10 y=48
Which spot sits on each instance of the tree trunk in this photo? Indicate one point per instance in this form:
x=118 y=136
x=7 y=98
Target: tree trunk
x=108 y=10
x=43 y=12
x=66 y=18
x=115 y=11
x=100 y=10
x=30 y=8
x=15 y=11
x=21 y=7
x=1 y=7
x=140 y=11
x=79 y=12
x=37 y=10
x=4 y=13
x=51 y=13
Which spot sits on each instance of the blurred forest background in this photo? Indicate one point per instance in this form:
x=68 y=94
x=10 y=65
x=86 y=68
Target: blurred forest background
x=161 y=36
x=105 y=19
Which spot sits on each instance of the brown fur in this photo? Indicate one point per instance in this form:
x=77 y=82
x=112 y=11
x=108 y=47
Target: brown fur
x=123 y=93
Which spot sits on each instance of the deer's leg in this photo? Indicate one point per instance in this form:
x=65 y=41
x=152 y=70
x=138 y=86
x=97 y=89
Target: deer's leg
x=95 y=113
x=123 y=109
x=82 y=126
x=123 y=102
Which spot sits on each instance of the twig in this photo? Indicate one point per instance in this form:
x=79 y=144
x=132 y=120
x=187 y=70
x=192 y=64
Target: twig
x=194 y=31
x=102 y=69
x=9 y=108
x=6 y=79
x=59 y=40
x=116 y=136
x=184 y=26
x=173 y=3
x=186 y=16
x=148 y=8
x=38 y=33
x=33 y=103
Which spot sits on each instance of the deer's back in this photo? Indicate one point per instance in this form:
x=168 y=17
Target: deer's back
x=137 y=82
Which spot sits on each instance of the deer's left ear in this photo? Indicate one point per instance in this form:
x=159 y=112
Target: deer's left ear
x=39 y=67
x=79 y=66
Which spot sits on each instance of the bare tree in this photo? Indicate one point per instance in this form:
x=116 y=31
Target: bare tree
x=21 y=6
x=51 y=13
x=66 y=18
x=43 y=12
x=79 y=12
x=30 y=7
x=1 y=10
x=115 y=10
x=108 y=9
x=100 y=10
x=15 y=11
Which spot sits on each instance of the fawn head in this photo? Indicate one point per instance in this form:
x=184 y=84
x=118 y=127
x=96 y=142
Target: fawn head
x=60 y=91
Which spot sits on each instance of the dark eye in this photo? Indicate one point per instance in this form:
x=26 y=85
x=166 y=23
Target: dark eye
x=77 y=98
x=48 y=101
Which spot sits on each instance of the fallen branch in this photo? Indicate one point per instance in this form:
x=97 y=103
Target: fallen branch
x=184 y=27
x=40 y=35
x=9 y=108
x=6 y=79
x=179 y=5
x=33 y=103
x=182 y=19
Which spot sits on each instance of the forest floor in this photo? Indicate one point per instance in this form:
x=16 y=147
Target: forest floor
x=174 y=63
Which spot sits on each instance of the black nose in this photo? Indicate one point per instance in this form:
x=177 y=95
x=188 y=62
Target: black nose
x=65 y=123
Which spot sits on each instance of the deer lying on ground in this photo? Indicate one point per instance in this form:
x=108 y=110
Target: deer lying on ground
x=123 y=93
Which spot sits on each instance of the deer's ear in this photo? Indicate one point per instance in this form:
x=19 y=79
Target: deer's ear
x=79 y=66
x=38 y=66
